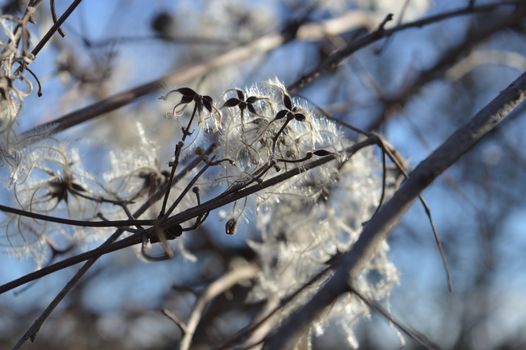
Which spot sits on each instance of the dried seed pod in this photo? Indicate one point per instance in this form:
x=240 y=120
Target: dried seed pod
x=322 y=153
x=168 y=233
x=163 y=24
x=231 y=226
x=174 y=232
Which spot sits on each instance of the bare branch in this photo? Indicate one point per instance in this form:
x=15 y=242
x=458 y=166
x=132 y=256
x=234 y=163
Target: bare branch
x=261 y=45
x=449 y=58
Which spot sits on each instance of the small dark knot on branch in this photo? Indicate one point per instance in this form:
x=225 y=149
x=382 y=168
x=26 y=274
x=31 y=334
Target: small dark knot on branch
x=386 y=20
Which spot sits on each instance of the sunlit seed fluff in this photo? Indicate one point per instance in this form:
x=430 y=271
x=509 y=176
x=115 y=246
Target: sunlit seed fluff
x=253 y=140
x=14 y=85
x=135 y=171
x=300 y=234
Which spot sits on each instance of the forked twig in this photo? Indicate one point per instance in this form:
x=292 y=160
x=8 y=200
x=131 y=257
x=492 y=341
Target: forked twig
x=400 y=164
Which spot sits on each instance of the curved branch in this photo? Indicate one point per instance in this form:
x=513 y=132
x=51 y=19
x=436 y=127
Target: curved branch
x=56 y=26
x=219 y=286
x=72 y=222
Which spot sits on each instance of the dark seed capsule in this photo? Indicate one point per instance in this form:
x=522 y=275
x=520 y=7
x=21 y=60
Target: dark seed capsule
x=163 y=23
x=174 y=232
x=322 y=153
x=199 y=151
x=231 y=226
x=167 y=234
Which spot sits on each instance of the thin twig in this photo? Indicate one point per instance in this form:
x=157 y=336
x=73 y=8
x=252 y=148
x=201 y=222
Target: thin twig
x=187 y=188
x=72 y=222
x=54 y=17
x=175 y=319
x=182 y=40
x=400 y=164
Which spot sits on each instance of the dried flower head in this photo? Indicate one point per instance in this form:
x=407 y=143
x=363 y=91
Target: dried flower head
x=201 y=104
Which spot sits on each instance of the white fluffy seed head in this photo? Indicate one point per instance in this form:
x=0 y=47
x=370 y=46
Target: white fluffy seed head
x=252 y=136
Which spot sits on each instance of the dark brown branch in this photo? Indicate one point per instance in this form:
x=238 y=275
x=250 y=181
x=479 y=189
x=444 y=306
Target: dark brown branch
x=378 y=229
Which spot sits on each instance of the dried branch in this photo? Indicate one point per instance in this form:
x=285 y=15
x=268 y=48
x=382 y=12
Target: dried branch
x=380 y=226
